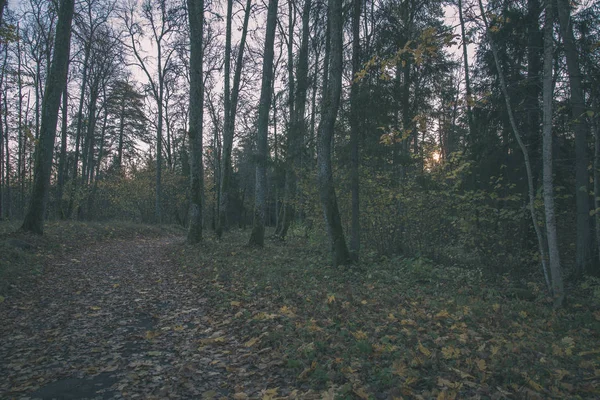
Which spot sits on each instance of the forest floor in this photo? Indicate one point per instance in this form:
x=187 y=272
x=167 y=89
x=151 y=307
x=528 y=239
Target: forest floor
x=140 y=314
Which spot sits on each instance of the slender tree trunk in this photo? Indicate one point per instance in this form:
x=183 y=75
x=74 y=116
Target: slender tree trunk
x=94 y=181
x=55 y=84
x=7 y=170
x=159 y=135
x=580 y=125
x=21 y=136
x=196 y=22
x=533 y=89
x=515 y=129
x=339 y=250
x=62 y=161
x=297 y=124
x=229 y=125
x=3 y=125
x=551 y=233
x=121 y=132
x=596 y=128
x=2 y=4
x=86 y=57
x=469 y=95
x=257 y=237
x=355 y=119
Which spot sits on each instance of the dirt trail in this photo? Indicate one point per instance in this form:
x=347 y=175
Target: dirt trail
x=118 y=321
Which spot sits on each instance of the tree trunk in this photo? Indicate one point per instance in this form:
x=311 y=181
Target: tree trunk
x=2 y=4
x=596 y=129
x=355 y=119
x=580 y=125
x=85 y=66
x=57 y=79
x=8 y=203
x=121 y=132
x=339 y=250
x=517 y=134
x=196 y=22
x=469 y=95
x=297 y=125
x=229 y=123
x=62 y=161
x=533 y=88
x=257 y=237
x=551 y=233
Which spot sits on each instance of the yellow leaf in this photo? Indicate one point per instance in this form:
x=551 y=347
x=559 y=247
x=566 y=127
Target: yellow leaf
x=426 y=352
x=1 y=299
x=364 y=302
x=360 y=392
x=391 y=317
x=533 y=384
x=240 y=396
x=330 y=299
x=450 y=352
x=495 y=350
x=496 y=307
x=95 y=308
x=359 y=335
x=285 y=310
x=116 y=285
x=251 y=342
x=151 y=335
x=399 y=369
x=178 y=328
x=523 y=314
x=235 y=304
x=270 y=394
x=442 y=314
x=211 y=394
x=481 y=365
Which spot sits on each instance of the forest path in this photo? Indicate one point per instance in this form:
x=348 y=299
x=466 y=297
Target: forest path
x=117 y=320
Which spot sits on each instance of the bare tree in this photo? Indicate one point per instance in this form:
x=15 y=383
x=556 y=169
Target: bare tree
x=162 y=19
x=551 y=233
x=57 y=79
x=257 y=237
x=196 y=22
x=331 y=102
x=231 y=97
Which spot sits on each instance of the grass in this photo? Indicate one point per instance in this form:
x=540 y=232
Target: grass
x=394 y=327
x=23 y=255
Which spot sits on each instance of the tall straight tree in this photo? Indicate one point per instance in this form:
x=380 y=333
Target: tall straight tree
x=331 y=103
x=196 y=23
x=547 y=89
x=55 y=85
x=580 y=125
x=297 y=124
x=355 y=131
x=257 y=238
x=469 y=95
x=231 y=96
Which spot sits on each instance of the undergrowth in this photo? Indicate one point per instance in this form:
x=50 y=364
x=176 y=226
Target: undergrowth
x=396 y=327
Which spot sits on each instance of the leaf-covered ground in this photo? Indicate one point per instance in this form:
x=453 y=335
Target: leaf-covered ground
x=151 y=317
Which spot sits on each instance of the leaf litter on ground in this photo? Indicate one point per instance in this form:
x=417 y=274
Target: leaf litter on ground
x=155 y=318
